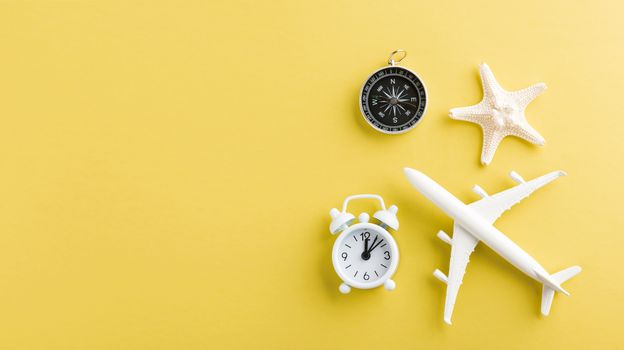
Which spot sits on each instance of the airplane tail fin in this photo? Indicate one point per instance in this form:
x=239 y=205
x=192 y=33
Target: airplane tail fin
x=552 y=283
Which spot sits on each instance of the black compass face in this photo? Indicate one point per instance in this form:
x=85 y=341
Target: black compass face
x=393 y=100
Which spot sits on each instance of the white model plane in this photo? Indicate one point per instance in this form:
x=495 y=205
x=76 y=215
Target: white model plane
x=473 y=223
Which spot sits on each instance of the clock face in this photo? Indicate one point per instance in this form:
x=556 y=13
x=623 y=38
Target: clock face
x=393 y=100
x=365 y=256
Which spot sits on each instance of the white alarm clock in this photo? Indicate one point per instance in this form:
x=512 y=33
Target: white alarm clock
x=365 y=255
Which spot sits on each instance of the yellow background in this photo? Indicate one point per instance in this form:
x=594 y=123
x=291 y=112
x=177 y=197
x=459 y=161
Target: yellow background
x=167 y=168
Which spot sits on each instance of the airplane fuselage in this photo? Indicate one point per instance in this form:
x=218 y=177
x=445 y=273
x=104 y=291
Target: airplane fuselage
x=477 y=226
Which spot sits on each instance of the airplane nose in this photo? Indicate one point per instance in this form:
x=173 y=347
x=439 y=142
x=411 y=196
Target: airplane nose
x=409 y=171
x=414 y=176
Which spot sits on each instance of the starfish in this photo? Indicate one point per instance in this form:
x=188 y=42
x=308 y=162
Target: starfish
x=500 y=113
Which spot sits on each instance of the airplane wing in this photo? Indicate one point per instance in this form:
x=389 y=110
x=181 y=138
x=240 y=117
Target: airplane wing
x=492 y=207
x=463 y=243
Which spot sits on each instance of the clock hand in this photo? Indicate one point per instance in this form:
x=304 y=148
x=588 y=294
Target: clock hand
x=375 y=246
x=375 y=240
x=366 y=254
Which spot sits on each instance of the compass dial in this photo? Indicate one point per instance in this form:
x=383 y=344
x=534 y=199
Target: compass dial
x=393 y=100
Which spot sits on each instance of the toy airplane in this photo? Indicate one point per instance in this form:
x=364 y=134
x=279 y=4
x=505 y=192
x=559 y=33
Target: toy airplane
x=473 y=223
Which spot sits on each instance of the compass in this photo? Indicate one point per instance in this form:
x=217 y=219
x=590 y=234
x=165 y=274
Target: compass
x=393 y=99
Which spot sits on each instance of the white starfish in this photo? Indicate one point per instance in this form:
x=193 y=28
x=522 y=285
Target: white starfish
x=500 y=113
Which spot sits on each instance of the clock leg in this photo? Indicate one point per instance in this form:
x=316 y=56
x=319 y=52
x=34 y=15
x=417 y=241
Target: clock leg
x=389 y=284
x=344 y=288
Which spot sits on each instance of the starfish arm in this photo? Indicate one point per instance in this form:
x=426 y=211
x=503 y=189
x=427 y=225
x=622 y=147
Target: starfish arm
x=526 y=132
x=491 y=87
x=525 y=96
x=474 y=114
x=491 y=140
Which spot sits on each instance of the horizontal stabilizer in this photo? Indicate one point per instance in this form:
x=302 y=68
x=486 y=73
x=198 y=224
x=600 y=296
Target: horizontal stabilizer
x=548 y=290
x=566 y=274
x=547 y=298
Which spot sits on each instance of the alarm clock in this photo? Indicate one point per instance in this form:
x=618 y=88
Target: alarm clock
x=393 y=99
x=365 y=255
